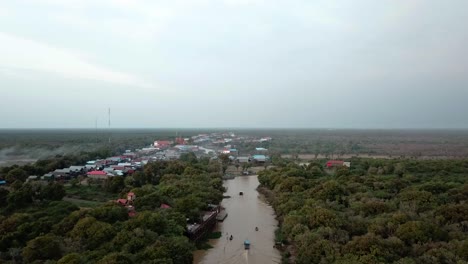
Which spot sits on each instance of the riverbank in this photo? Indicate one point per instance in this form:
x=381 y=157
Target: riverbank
x=287 y=250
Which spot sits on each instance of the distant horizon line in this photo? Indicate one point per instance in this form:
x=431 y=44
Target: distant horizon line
x=229 y=128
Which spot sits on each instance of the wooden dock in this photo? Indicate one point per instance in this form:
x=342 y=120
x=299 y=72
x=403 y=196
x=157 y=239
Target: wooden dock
x=196 y=231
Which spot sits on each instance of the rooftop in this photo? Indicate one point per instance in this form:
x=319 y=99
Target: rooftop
x=97 y=173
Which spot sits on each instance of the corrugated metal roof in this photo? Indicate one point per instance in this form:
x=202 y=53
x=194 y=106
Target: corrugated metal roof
x=97 y=173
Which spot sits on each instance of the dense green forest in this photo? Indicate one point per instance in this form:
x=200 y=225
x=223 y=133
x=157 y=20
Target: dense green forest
x=36 y=226
x=379 y=211
x=335 y=142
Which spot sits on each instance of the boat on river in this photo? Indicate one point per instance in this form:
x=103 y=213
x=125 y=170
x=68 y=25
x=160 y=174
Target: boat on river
x=246 y=244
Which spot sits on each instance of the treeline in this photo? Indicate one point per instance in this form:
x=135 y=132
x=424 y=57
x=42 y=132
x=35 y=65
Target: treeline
x=40 y=144
x=44 y=229
x=379 y=211
x=396 y=143
x=20 y=173
x=53 y=138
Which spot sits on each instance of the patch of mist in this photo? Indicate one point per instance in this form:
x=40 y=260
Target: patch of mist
x=30 y=154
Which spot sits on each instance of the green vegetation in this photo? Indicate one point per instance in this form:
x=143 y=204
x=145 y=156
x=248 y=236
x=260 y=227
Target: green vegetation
x=380 y=211
x=89 y=192
x=335 y=143
x=28 y=145
x=19 y=146
x=60 y=141
x=36 y=226
x=83 y=203
x=20 y=173
x=214 y=235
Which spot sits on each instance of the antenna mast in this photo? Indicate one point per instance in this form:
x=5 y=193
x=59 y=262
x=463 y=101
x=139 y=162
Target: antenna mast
x=95 y=126
x=109 y=115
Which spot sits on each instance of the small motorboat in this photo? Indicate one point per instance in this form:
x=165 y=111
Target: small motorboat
x=256 y=228
x=246 y=244
x=241 y=193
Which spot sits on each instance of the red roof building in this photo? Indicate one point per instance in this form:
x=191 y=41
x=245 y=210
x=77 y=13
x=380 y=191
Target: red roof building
x=162 y=144
x=97 y=175
x=165 y=206
x=131 y=196
x=180 y=141
x=334 y=163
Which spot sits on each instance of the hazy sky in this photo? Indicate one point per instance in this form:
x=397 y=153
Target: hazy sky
x=234 y=63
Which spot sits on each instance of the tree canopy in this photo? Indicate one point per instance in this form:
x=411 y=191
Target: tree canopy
x=379 y=211
x=36 y=226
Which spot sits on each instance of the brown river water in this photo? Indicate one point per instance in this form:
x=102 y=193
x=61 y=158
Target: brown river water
x=244 y=214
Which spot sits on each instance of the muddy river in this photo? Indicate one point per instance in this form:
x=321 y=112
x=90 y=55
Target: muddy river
x=244 y=214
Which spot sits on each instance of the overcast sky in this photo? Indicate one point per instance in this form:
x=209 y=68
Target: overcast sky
x=234 y=63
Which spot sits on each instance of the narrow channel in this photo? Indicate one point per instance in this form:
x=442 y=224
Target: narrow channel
x=245 y=212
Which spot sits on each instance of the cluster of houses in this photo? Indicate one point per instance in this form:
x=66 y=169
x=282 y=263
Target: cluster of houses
x=224 y=138
x=128 y=203
x=211 y=145
x=258 y=157
x=202 y=145
x=126 y=164
x=130 y=161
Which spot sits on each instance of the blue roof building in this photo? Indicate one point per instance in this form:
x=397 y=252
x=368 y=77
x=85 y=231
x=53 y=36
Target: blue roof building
x=259 y=158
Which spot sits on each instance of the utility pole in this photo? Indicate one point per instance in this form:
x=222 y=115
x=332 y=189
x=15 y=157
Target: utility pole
x=109 y=115
x=95 y=126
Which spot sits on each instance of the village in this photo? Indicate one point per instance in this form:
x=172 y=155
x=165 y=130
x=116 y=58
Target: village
x=212 y=146
x=202 y=145
x=232 y=157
